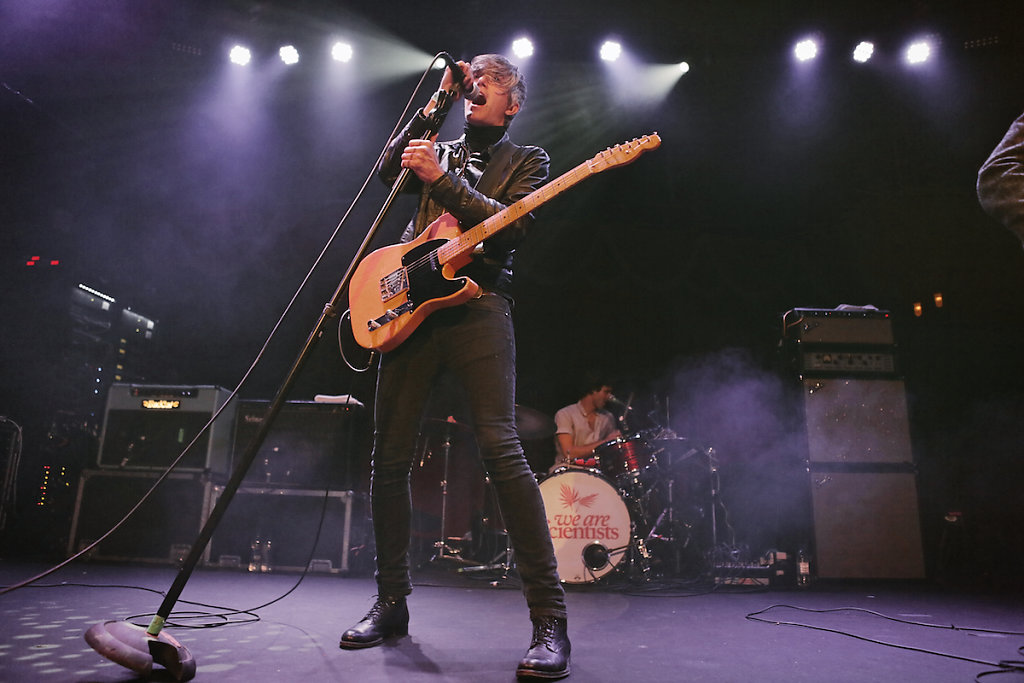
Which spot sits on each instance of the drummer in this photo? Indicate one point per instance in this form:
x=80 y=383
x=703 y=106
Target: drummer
x=584 y=425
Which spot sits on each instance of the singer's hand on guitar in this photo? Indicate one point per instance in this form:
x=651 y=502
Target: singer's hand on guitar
x=421 y=158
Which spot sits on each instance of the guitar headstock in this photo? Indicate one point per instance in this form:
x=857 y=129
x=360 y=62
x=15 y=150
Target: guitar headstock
x=624 y=153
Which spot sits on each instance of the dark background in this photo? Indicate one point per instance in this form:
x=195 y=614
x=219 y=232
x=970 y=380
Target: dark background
x=775 y=187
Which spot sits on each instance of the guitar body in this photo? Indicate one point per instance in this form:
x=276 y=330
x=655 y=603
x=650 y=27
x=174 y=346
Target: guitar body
x=395 y=288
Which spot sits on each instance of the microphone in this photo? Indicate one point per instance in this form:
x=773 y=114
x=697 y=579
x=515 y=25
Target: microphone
x=467 y=85
x=616 y=402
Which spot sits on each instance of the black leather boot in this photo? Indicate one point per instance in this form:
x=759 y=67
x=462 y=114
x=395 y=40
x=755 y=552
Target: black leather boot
x=548 y=656
x=387 y=618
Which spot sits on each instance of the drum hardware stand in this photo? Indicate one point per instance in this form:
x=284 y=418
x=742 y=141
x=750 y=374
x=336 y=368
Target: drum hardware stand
x=670 y=537
x=642 y=557
x=669 y=513
x=713 y=483
x=504 y=560
x=639 y=553
x=444 y=551
x=638 y=565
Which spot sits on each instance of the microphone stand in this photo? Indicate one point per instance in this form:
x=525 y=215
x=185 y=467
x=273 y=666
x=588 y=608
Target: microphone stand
x=136 y=648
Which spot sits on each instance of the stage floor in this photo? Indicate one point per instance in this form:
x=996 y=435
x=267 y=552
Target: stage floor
x=463 y=628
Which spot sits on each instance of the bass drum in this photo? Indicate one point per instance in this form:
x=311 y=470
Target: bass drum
x=589 y=523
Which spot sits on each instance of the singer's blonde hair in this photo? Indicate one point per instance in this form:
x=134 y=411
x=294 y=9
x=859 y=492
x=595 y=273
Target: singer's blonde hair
x=504 y=74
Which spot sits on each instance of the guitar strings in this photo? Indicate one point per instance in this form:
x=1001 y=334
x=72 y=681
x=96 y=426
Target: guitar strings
x=555 y=187
x=511 y=209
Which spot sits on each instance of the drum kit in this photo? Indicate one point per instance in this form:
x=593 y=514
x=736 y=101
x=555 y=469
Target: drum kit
x=641 y=506
x=620 y=511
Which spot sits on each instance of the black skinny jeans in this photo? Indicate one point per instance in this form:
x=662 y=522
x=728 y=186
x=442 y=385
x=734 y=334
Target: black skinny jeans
x=476 y=342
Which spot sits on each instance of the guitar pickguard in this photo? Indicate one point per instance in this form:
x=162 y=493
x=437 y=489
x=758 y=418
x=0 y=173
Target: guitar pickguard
x=425 y=277
x=420 y=278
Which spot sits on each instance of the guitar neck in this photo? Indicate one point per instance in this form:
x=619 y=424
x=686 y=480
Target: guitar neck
x=467 y=241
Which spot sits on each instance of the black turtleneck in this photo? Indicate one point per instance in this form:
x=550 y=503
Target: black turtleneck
x=479 y=138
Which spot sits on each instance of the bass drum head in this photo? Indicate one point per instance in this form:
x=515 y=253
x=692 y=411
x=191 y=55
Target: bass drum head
x=589 y=523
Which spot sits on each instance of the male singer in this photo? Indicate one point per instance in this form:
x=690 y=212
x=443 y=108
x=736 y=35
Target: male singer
x=471 y=178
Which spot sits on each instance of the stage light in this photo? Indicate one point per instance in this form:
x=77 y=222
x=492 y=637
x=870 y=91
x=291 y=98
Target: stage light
x=806 y=50
x=288 y=54
x=96 y=293
x=522 y=48
x=611 y=51
x=341 y=52
x=937 y=297
x=684 y=67
x=240 y=55
x=918 y=52
x=863 y=51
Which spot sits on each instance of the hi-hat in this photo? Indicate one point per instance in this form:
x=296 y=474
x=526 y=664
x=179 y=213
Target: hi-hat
x=444 y=422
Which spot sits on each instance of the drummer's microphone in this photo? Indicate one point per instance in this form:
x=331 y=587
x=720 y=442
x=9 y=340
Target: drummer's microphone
x=617 y=402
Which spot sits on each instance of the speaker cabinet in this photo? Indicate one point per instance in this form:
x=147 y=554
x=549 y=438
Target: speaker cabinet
x=309 y=445
x=866 y=525
x=145 y=427
x=856 y=420
x=863 y=484
x=161 y=531
x=288 y=519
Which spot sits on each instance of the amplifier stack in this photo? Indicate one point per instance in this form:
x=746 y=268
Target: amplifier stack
x=305 y=468
x=859 y=458
x=145 y=429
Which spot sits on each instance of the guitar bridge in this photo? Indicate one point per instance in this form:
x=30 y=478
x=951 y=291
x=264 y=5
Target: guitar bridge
x=393 y=284
x=388 y=316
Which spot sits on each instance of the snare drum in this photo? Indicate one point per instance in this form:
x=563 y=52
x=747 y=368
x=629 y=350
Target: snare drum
x=589 y=523
x=625 y=456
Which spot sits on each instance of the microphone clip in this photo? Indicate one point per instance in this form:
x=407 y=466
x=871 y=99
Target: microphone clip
x=443 y=100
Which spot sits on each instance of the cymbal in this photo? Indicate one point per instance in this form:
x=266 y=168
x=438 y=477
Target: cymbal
x=533 y=424
x=669 y=441
x=664 y=434
x=444 y=422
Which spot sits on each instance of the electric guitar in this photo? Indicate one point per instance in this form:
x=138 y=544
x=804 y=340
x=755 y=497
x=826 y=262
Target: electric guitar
x=395 y=288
